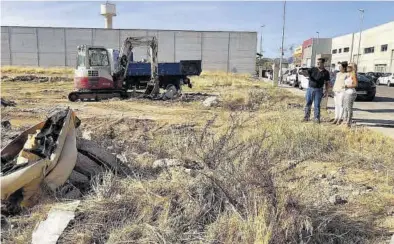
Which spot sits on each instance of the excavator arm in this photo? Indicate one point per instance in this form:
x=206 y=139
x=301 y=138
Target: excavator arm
x=124 y=59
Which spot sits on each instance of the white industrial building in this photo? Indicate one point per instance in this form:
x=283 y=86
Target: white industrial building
x=47 y=46
x=376 y=49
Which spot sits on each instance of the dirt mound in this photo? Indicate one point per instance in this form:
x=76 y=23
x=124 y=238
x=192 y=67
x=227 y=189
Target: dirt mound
x=35 y=78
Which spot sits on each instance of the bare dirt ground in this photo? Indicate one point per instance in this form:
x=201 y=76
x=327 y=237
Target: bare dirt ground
x=242 y=170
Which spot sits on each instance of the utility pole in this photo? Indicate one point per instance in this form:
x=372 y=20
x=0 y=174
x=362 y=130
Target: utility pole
x=261 y=41
x=359 y=38
x=283 y=37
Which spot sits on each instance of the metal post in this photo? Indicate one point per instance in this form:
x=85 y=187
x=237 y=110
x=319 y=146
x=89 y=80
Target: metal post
x=359 y=38
x=261 y=42
x=283 y=37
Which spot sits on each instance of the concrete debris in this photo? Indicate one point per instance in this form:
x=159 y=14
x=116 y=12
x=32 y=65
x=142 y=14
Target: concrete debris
x=7 y=103
x=162 y=163
x=337 y=199
x=210 y=101
x=49 y=231
x=87 y=134
x=170 y=93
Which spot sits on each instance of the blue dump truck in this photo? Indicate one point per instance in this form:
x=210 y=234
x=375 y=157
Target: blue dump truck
x=138 y=73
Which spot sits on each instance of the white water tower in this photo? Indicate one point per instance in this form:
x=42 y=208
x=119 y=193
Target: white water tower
x=108 y=10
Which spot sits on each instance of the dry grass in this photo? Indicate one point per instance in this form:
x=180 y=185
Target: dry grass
x=249 y=174
x=37 y=70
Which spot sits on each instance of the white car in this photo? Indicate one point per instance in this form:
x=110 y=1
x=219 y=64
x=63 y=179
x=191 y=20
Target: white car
x=285 y=75
x=292 y=79
x=386 y=79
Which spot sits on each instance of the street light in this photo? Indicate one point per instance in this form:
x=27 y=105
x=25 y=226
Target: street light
x=261 y=42
x=359 y=38
x=283 y=37
x=317 y=35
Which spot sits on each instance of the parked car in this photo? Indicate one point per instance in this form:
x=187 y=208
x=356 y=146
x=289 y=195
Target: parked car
x=285 y=75
x=366 y=89
x=293 y=78
x=374 y=75
x=386 y=79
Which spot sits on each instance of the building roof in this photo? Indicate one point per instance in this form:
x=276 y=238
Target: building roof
x=132 y=29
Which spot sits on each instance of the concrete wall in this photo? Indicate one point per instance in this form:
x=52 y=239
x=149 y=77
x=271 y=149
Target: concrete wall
x=374 y=37
x=44 y=46
x=318 y=46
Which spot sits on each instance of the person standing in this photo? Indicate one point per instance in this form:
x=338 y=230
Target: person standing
x=350 y=93
x=339 y=89
x=318 y=77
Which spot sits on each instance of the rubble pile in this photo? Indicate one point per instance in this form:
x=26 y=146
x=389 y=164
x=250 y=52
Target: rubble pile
x=49 y=155
x=35 y=78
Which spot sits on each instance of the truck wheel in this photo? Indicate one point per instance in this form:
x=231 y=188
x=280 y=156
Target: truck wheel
x=73 y=97
x=388 y=83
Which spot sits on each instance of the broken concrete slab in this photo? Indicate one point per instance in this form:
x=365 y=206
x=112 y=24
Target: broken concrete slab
x=166 y=162
x=210 y=101
x=49 y=230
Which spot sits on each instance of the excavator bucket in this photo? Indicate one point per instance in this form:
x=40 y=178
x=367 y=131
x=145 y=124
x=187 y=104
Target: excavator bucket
x=45 y=153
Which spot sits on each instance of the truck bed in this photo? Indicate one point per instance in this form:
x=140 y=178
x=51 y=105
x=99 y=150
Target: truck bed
x=183 y=68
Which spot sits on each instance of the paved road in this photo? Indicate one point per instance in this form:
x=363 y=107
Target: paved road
x=378 y=114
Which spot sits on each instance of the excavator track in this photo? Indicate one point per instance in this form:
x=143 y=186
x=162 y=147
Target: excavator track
x=96 y=95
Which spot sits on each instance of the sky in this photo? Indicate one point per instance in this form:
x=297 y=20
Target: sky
x=303 y=19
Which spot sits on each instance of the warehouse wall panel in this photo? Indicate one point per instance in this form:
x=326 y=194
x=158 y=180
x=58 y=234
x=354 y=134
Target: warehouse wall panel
x=187 y=46
x=51 y=40
x=51 y=47
x=106 y=38
x=74 y=38
x=5 y=47
x=166 y=42
x=51 y=59
x=23 y=40
x=215 y=51
x=28 y=59
x=242 y=52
